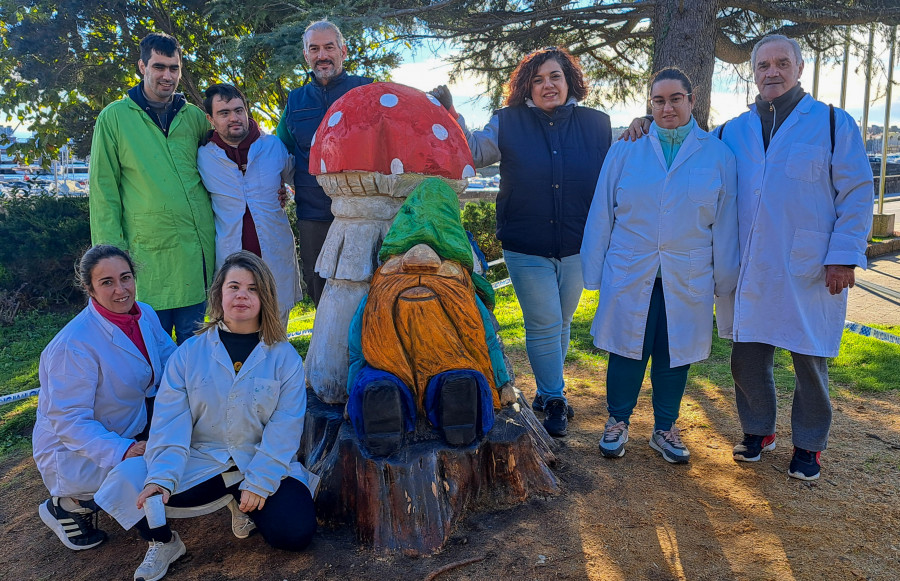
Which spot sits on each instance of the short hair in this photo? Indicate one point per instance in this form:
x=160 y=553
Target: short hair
x=673 y=74
x=225 y=92
x=84 y=269
x=323 y=24
x=519 y=85
x=774 y=38
x=271 y=329
x=160 y=42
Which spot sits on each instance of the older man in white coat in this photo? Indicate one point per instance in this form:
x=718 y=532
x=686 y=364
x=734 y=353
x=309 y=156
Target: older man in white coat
x=804 y=209
x=243 y=170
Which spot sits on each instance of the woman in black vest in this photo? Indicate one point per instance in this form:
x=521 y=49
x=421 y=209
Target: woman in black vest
x=550 y=151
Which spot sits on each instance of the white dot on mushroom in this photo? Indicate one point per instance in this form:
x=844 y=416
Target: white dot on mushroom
x=396 y=166
x=433 y=100
x=335 y=117
x=313 y=141
x=439 y=131
x=322 y=165
x=388 y=100
x=468 y=172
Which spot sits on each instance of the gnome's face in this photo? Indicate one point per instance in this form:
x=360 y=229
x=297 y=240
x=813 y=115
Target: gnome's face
x=423 y=261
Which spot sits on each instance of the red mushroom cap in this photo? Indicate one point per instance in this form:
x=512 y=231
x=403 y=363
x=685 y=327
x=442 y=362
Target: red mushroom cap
x=390 y=129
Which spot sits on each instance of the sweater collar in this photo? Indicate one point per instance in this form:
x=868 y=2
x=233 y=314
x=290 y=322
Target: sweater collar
x=675 y=136
x=119 y=319
x=785 y=102
x=136 y=93
x=337 y=80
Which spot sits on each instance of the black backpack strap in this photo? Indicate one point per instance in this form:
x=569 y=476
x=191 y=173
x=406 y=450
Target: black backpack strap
x=831 y=121
x=722 y=130
x=831 y=124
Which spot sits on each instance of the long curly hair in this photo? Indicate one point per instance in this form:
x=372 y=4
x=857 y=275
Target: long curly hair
x=519 y=86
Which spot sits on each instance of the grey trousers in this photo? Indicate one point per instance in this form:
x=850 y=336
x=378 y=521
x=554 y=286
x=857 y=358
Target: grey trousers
x=752 y=367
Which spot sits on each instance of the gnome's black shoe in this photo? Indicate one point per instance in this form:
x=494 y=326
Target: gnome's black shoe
x=459 y=410
x=382 y=414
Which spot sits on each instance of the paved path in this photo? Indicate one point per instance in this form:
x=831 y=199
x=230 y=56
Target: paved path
x=877 y=298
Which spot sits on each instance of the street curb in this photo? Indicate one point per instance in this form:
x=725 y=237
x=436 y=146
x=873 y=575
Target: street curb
x=876 y=249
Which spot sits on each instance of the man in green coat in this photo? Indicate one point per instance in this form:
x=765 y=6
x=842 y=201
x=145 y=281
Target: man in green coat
x=146 y=195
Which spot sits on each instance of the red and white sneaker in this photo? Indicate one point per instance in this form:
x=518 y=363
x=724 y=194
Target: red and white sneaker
x=752 y=447
x=805 y=464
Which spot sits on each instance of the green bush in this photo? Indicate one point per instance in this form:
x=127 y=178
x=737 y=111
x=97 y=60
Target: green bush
x=480 y=218
x=42 y=238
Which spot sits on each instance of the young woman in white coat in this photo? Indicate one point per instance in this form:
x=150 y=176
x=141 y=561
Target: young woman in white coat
x=661 y=240
x=228 y=421
x=96 y=377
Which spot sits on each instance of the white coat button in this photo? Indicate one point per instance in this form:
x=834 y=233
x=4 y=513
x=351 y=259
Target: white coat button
x=556 y=186
x=551 y=124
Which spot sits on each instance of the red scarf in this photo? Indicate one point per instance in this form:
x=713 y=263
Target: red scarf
x=249 y=238
x=128 y=323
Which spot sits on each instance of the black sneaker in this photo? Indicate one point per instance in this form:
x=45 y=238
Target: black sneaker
x=555 y=420
x=752 y=447
x=77 y=529
x=805 y=464
x=537 y=404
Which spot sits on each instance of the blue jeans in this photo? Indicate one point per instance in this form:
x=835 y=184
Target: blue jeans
x=548 y=290
x=185 y=320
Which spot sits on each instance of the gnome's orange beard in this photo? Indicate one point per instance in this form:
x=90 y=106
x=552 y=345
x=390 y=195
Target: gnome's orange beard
x=416 y=325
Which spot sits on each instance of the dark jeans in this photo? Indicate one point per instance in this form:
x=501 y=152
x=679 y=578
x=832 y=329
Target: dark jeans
x=185 y=320
x=624 y=376
x=287 y=521
x=311 y=237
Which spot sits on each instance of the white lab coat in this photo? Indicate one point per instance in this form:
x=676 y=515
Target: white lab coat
x=644 y=218
x=93 y=384
x=268 y=165
x=208 y=419
x=794 y=219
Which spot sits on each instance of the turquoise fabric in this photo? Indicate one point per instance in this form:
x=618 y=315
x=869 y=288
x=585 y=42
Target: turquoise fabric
x=671 y=139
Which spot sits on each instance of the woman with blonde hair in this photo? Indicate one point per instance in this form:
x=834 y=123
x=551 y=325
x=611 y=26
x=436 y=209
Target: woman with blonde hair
x=228 y=421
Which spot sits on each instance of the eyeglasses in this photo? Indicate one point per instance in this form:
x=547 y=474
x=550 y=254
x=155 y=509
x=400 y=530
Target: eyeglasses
x=675 y=100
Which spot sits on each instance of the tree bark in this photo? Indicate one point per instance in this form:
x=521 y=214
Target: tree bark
x=410 y=502
x=685 y=37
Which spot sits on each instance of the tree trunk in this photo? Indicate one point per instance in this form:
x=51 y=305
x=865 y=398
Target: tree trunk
x=685 y=37
x=410 y=501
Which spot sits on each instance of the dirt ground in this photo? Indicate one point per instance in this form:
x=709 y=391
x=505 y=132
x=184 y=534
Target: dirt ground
x=632 y=518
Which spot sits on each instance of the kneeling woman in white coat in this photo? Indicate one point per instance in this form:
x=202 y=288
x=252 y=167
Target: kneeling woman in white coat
x=661 y=239
x=228 y=421
x=96 y=377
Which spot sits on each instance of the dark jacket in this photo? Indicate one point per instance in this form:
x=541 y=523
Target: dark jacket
x=548 y=171
x=306 y=107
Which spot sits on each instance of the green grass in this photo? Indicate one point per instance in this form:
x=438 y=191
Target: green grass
x=20 y=350
x=865 y=365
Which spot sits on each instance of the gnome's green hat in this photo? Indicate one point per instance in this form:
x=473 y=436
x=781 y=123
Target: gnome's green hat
x=430 y=215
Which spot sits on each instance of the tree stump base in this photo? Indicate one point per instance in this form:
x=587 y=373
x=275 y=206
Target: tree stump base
x=410 y=501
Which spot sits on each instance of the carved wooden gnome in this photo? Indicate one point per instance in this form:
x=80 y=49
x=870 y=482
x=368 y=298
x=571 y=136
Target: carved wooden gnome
x=422 y=342
x=375 y=145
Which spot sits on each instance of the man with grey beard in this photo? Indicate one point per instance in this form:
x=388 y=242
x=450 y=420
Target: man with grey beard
x=325 y=51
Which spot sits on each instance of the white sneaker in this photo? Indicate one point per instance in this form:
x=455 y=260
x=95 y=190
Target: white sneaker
x=669 y=444
x=241 y=523
x=615 y=434
x=158 y=558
